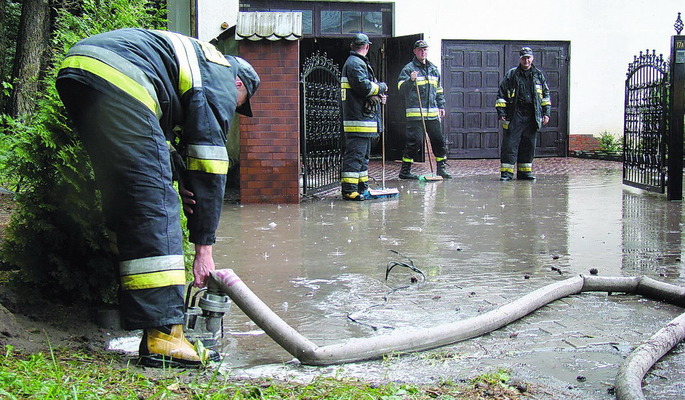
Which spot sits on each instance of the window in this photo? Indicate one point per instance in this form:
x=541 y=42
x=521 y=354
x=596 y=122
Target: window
x=330 y=22
x=333 y=18
x=351 y=22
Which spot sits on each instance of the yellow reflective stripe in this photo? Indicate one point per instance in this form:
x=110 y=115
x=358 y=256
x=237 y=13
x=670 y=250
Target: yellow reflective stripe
x=344 y=83
x=400 y=83
x=113 y=76
x=349 y=180
x=360 y=126
x=209 y=166
x=405 y=159
x=153 y=280
x=501 y=103
x=505 y=124
x=525 y=167
x=427 y=112
x=121 y=64
x=375 y=88
x=507 y=168
x=440 y=158
x=546 y=102
x=208 y=152
x=151 y=264
x=188 y=65
x=206 y=158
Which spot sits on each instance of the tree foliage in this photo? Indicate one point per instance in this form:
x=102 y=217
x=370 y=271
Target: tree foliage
x=56 y=236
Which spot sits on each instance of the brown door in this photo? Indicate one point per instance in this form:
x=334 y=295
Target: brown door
x=471 y=73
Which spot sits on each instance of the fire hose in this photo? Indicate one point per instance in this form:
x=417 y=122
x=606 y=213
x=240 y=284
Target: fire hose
x=630 y=374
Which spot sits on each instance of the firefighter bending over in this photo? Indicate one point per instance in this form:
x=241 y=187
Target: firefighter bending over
x=150 y=107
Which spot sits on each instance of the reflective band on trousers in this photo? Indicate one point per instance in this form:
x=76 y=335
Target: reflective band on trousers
x=525 y=167
x=152 y=272
x=350 y=177
x=507 y=168
x=140 y=91
x=210 y=159
x=188 y=66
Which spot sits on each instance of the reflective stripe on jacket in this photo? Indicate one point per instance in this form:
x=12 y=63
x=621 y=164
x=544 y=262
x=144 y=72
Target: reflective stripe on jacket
x=506 y=96
x=428 y=82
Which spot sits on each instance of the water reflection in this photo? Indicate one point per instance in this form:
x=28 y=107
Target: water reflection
x=480 y=242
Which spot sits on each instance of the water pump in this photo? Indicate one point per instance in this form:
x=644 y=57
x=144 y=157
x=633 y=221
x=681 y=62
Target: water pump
x=204 y=318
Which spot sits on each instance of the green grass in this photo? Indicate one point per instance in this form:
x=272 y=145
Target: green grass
x=84 y=375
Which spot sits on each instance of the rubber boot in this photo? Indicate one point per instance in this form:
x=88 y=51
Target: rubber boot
x=167 y=346
x=526 y=176
x=405 y=171
x=442 y=169
x=350 y=191
x=363 y=189
x=506 y=176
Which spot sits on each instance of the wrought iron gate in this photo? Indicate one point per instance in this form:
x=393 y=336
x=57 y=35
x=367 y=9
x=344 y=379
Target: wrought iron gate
x=321 y=140
x=646 y=123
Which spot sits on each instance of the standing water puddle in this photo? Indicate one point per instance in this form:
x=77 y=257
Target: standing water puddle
x=480 y=243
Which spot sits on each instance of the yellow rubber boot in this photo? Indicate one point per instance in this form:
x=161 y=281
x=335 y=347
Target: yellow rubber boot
x=162 y=349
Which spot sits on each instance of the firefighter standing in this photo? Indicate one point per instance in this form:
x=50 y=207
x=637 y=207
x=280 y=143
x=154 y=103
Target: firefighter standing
x=423 y=74
x=524 y=105
x=140 y=100
x=362 y=96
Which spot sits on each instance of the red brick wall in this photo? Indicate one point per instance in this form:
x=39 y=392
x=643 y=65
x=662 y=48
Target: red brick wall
x=583 y=142
x=270 y=141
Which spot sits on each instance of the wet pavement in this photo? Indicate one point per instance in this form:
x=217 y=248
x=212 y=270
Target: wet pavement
x=481 y=243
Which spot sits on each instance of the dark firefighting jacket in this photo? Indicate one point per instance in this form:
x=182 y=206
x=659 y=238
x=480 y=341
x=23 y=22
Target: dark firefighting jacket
x=361 y=110
x=507 y=99
x=186 y=84
x=428 y=81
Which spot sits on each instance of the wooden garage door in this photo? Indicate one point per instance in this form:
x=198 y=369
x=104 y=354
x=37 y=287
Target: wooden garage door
x=471 y=73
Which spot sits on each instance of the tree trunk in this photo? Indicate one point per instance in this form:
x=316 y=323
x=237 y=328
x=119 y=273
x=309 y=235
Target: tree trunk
x=3 y=47
x=32 y=43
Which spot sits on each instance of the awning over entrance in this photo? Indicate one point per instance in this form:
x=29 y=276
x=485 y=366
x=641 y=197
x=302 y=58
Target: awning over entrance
x=269 y=26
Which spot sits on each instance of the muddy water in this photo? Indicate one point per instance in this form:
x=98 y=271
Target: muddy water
x=480 y=243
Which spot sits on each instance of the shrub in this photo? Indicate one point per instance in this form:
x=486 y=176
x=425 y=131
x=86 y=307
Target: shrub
x=610 y=143
x=57 y=236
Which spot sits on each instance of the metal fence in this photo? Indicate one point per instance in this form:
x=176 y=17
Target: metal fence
x=646 y=123
x=321 y=141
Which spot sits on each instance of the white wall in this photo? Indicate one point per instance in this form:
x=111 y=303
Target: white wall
x=604 y=36
x=211 y=14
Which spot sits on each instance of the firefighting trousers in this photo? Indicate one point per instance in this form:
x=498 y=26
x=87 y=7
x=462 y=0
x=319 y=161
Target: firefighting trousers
x=130 y=158
x=518 y=143
x=355 y=167
x=415 y=138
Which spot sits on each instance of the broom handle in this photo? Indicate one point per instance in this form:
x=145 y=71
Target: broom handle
x=425 y=131
x=383 y=143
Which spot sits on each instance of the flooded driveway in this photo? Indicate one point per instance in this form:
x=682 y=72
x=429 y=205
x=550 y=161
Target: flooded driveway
x=480 y=243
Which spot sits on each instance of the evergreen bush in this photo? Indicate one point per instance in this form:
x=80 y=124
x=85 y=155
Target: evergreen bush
x=56 y=237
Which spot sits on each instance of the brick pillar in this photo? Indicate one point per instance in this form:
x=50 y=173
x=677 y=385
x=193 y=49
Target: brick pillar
x=270 y=141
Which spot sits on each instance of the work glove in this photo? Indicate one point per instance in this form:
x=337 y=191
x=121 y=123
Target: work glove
x=371 y=104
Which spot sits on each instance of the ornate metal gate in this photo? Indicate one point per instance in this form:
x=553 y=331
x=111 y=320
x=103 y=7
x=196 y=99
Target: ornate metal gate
x=321 y=139
x=646 y=123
